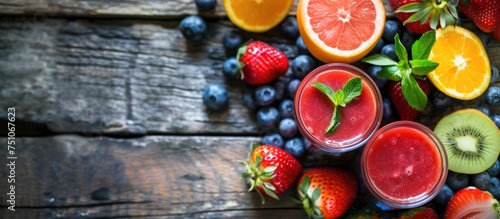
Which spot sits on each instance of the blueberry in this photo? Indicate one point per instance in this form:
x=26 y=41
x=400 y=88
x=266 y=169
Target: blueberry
x=302 y=65
x=268 y=117
x=232 y=40
x=494 y=170
x=230 y=68
x=249 y=100
x=295 y=146
x=493 y=96
x=494 y=187
x=389 y=50
x=215 y=96
x=274 y=139
x=494 y=74
x=288 y=127
x=193 y=28
x=378 y=47
x=456 y=181
x=286 y=108
x=387 y=108
x=407 y=39
x=373 y=71
x=292 y=87
x=307 y=143
x=392 y=27
x=301 y=46
x=496 y=119
x=441 y=100
x=205 y=5
x=444 y=195
x=280 y=89
x=481 y=180
x=265 y=95
x=484 y=109
x=289 y=28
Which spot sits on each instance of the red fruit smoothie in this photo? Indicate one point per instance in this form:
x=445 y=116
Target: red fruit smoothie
x=404 y=163
x=359 y=119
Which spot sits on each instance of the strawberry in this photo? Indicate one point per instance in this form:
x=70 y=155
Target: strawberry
x=260 y=63
x=496 y=33
x=405 y=111
x=420 y=16
x=270 y=170
x=472 y=203
x=327 y=192
x=420 y=213
x=408 y=90
x=484 y=13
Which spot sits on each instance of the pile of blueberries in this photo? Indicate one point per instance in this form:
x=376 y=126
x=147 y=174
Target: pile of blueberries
x=273 y=103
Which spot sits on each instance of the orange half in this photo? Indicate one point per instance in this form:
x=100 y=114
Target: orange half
x=464 y=70
x=340 y=30
x=257 y=15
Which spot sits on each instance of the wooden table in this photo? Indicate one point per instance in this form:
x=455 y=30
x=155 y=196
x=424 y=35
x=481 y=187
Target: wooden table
x=109 y=120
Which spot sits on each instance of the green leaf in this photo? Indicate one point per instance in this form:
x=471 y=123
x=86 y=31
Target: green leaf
x=415 y=97
x=400 y=50
x=351 y=89
x=339 y=97
x=434 y=22
x=390 y=72
x=270 y=169
x=335 y=121
x=421 y=15
x=422 y=66
x=327 y=90
x=379 y=59
x=304 y=186
x=411 y=7
x=423 y=46
x=316 y=193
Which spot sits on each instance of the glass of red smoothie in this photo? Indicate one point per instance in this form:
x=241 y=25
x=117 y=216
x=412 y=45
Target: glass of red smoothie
x=404 y=165
x=359 y=119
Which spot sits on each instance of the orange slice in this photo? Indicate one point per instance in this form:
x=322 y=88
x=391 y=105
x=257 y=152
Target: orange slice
x=340 y=30
x=464 y=67
x=257 y=15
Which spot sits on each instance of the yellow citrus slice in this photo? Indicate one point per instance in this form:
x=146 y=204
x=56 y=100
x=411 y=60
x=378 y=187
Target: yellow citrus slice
x=257 y=15
x=340 y=30
x=464 y=67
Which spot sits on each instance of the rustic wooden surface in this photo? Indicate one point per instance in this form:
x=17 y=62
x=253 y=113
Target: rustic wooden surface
x=109 y=116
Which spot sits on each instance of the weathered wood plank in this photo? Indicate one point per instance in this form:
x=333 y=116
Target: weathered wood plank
x=116 y=8
x=155 y=177
x=133 y=77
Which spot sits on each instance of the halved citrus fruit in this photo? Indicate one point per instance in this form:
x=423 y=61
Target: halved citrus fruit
x=340 y=30
x=257 y=15
x=464 y=67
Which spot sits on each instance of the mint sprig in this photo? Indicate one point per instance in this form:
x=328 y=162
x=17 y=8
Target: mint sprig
x=350 y=90
x=406 y=70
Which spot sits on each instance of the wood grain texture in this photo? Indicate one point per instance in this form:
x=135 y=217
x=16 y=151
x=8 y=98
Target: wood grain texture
x=157 y=9
x=152 y=177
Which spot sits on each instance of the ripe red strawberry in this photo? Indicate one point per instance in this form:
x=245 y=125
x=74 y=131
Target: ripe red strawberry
x=260 y=63
x=442 y=12
x=270 y=170
x=420 y=213
x=405 y=111
x=327 y=192
x=484 y=13
x=472 y=203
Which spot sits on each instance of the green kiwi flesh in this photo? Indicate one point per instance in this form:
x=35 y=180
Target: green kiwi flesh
x=471 y=140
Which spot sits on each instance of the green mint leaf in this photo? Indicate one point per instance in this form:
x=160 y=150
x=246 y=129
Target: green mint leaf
x=422 y=66
x=422 y=47
x=327 y=90
x=400 y=50
x=391 y=72
x=338 y=98
x=351 y=89
x=415 y=97
x=335 y=122
x=379 y=59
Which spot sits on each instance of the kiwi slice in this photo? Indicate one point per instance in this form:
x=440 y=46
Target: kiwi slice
x=471 y=140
